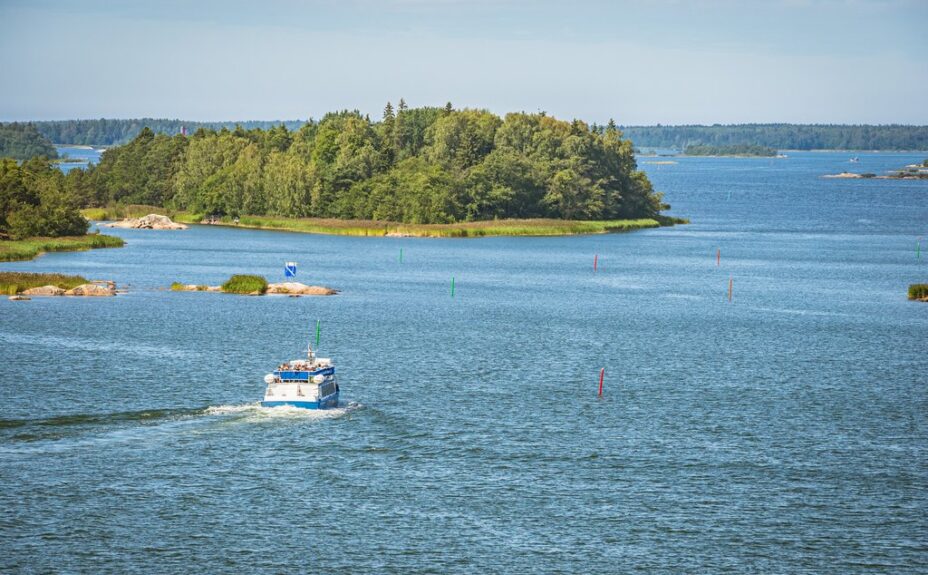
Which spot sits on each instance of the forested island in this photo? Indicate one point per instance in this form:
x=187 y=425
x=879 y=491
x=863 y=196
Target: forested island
x=430 y=165
x=783 y=136
x=749 y=150
x=22 y=141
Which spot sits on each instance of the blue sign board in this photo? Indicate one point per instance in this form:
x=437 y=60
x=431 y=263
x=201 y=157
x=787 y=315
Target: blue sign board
x=290 y=269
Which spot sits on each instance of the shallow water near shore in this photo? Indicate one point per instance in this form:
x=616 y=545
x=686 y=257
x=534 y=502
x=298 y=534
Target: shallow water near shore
x=784 y=431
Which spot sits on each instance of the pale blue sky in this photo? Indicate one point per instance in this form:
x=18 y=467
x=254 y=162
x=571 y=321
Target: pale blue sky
x=663 y=61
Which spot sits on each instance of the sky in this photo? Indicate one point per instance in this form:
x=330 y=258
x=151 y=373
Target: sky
x=644 y=62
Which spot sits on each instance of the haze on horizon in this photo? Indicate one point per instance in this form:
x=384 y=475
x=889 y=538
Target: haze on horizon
x=668 y=62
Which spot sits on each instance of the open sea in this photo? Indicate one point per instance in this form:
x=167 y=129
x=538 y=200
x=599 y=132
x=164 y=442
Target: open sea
x=784 y=431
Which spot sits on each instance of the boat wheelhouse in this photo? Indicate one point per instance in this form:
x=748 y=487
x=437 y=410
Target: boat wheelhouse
x=307 y=383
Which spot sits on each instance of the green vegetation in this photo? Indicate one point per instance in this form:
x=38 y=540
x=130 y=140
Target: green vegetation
x=177 y=286
x=784 y=136
x=416 y=166
x=23 y=141
x=244 y=284
x=735 y=150
x=16 y=250
x=918 y=291
x=533 y=227
x=35 y=200
x=104 y=132
x=12 y=283
x=117 y=212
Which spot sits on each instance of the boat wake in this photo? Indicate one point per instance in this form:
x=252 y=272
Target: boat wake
x=91 y=430
x=254 y=411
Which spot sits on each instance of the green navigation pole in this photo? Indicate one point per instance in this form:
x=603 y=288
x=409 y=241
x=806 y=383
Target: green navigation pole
x=452 y=286
x=318 y=324
x=401 y=255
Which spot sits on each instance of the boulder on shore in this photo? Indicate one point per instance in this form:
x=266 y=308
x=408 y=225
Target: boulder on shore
x=44 y=290
x=92 y=290
x=149 y=222
x=297 y=288
x=18 y=298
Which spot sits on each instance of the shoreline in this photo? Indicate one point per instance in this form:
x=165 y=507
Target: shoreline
x=490 y=228
x=332 y=226
x=31 y=248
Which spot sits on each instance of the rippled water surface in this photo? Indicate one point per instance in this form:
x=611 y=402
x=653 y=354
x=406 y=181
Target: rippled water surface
x=781 y=432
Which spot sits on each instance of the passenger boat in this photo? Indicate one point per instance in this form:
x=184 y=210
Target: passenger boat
x=307 y=383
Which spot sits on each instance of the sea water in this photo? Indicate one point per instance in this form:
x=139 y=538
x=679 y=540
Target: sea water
x=782 y=431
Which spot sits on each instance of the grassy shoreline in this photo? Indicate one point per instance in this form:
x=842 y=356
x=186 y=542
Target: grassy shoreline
x=29 y=248
x=331 y=226
x=533 y=227
x=12 y=283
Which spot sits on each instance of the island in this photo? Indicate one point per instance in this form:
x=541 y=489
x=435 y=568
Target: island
x=21 y=286
x=910 y=172
x=736 y=150
x=918 y=292
x=430 y=171
x=245 y=284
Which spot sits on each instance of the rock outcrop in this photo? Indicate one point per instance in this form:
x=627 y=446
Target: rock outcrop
x=93 y=290
x=18 y=298
x=149 y=222
x=194 y=287
x=297 y=288
x=283 y=288
x=44 y=290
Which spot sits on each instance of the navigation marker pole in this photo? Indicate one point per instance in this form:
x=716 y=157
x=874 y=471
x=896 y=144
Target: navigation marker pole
x=602 y=374
x=318 y=324
x=595 y=261
x=730 y=284
x=918 y=248
x=718 y=257
x=452 y=286
x=401 y=255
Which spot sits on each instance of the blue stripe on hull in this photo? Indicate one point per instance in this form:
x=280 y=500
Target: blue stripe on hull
x=328 y=402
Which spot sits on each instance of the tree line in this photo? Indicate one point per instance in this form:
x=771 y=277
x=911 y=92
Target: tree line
x=734 y=150
x=109 y=132
x=415 y=165
x=784 y=136
x=37 y=200
x=22 y=141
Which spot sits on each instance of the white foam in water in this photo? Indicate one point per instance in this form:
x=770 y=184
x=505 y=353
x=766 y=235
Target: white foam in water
x=255 y=410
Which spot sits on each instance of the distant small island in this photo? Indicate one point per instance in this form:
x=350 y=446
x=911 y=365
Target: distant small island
x=245 y=284
x=918 y=292
x=738 y=150
x=910 y=172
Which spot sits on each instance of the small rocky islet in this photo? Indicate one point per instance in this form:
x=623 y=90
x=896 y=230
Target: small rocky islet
x=149 y=222
x=257 y=285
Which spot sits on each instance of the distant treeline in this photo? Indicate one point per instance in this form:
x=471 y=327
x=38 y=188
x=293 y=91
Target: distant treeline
x=736 y=150
x=22 y=141
x=415 y=165
x=106 y=132
x=784 y=136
